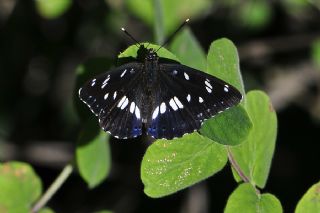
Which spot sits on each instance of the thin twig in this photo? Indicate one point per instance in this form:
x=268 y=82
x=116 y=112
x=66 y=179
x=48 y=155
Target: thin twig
x=236 y=166
x=65 y=173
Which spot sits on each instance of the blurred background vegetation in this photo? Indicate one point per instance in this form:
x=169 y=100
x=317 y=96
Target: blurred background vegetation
x=43 y=41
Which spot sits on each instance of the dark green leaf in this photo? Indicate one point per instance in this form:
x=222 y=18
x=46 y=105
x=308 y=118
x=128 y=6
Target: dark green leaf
x=230 y=127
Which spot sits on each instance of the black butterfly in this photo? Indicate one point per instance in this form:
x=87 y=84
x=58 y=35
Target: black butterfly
x=162 y=99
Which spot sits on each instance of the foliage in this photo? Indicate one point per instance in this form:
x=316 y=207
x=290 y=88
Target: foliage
x=244 y=135
x=52 y=9
x=20 y=187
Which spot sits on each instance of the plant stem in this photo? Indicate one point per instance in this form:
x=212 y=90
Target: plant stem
x=158 y=22
x=65 y=173
x=236 y=166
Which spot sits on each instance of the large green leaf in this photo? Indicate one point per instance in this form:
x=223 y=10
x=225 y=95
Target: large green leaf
x=310 y=201
x=186 y=47
x=171 y=165
x=254 y=156
x=245 y=200
x=20 y=187
x=232 y=126
x=93 y=154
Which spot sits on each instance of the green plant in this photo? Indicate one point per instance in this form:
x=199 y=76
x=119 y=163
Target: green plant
x=244 y=136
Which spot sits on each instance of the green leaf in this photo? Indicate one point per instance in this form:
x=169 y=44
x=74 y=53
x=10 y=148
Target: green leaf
x=245 y=200
x=52 y=9
x=20 y=187
x=233 y=126
x=223 y=62
x=93 y=154
x=174 y=12
x=171 y=165
x=255 y=14
x=188 y=50
x=310 y=201
x=254 y=156
x=132 y=51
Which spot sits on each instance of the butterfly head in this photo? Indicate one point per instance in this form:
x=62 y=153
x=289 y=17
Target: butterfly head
x=151 y=55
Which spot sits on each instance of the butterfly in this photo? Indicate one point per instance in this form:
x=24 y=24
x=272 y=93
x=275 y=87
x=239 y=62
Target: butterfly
x=160 y=98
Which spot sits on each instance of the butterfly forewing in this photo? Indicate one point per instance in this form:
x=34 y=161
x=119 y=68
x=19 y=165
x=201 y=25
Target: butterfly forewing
x=114 y=98
x=186 y=97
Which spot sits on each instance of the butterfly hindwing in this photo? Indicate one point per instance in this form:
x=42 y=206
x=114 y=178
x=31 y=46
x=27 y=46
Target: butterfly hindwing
x=186 y=98
x=113 y=97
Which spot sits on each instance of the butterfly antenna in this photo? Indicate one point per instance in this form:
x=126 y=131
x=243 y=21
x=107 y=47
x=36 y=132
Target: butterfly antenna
x=173 y=34
x=137 y=43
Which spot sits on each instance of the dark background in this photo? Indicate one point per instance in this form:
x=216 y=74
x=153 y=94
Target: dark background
x=38 y=124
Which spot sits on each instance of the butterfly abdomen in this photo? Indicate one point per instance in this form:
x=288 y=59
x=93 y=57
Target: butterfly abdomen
x=150 y=82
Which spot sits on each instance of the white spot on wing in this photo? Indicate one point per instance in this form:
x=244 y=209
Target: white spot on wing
x=124 y=105
x=173 y=104
x=200 y=100
x=105 y=82
x=79 y=92
x=208 y=89
x=226 y=89
x=155 y=113
x=93 y=82
x=123 y=73
x=106 y=96
x=163 y=108
x=208 y=83
x=186 y=76
x=132 y=105
x=137 y=112
x=121 y=101
x=174 y=72
x=188 y=97
x=115 y=95
x=180 y=105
